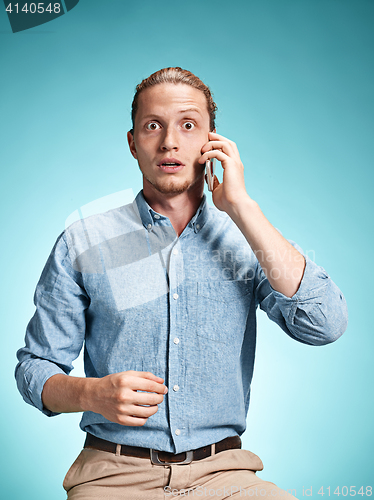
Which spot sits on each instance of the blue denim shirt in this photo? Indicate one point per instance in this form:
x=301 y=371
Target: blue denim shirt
x=137 y=297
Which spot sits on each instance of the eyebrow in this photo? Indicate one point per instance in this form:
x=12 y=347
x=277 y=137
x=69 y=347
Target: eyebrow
x=187 y=110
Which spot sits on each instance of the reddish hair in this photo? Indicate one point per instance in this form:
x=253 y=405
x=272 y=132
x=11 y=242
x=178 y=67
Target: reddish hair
x=175 y=75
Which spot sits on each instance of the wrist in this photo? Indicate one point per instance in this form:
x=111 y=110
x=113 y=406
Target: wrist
x=243 y=208
x=87 y=393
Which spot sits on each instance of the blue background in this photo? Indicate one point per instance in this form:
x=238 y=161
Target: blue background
x=293 y=80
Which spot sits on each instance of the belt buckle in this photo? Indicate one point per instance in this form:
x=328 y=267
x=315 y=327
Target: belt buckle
x=156 y=461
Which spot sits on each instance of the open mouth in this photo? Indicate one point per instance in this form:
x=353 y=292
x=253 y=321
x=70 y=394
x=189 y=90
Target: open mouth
x=170 y=165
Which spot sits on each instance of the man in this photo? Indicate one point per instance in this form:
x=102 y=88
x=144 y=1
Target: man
x=163 y=293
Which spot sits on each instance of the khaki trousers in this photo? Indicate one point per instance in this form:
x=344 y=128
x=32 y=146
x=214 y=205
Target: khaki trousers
x=228 y=474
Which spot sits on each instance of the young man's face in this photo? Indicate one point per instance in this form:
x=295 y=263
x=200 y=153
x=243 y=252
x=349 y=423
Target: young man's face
x=171 y=126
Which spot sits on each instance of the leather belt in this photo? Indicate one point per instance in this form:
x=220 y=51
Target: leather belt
x=163 y=457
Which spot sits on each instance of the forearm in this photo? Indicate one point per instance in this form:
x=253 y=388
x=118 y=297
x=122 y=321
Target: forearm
x=66 y=394
x=126 y=398
x=281 y=262
x=318 y=315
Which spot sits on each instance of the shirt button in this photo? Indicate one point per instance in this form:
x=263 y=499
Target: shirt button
x=176 y=388
x=175 y=251
x=197 y=226
x=175 y=296
x=149 y=227
x=156 y=216
x=177 y=432
x=176 y=340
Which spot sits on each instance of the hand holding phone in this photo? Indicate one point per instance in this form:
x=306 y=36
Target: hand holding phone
x=210 y=166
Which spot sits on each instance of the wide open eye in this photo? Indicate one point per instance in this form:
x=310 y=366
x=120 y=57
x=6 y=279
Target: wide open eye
x=188 y=125
x=152 y=126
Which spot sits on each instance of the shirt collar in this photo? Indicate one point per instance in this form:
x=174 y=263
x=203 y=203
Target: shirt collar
x=149 y=217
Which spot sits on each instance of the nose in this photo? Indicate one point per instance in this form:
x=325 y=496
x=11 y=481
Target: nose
x=169 y=139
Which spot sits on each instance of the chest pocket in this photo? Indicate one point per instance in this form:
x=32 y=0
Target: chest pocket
x=222 y=310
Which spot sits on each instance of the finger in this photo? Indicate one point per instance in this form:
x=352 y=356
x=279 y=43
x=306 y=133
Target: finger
x=132 y=421
x=143 y=384
x=214 y=153
x=220 y=145
x=214 y=137
x=147 y=398
x=142 y=411
x=149 y=375
x=143 y=375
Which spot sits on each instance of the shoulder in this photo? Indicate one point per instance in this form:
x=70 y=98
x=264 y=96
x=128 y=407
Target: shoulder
x=101 y=227
x=87 y=238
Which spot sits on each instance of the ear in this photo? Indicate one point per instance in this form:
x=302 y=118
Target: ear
x=130 y=140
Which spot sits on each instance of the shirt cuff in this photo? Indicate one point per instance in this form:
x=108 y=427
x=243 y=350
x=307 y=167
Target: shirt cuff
x=31 y=379
x=317 y=312
x=313 y=282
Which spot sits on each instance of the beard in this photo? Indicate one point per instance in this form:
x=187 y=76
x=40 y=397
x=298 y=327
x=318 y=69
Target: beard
x=171 y=185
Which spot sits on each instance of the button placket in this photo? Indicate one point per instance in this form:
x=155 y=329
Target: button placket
x=175 y=262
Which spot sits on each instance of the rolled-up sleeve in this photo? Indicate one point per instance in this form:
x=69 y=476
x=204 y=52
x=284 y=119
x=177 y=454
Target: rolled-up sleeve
x=315 y=315
x=55 y=334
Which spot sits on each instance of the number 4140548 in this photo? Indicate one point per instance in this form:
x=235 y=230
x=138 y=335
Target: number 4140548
x=34 y=8
x=347 y=491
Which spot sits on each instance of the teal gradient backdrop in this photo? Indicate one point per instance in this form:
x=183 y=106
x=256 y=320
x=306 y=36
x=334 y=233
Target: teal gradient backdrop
x=293 y=80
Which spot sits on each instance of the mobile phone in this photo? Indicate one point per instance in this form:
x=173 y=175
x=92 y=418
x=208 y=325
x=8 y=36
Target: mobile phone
x=210 y=165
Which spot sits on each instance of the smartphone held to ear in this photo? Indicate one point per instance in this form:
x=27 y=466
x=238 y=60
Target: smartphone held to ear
x=209 y=170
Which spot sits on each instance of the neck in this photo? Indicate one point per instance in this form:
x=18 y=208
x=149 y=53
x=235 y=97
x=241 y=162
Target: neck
x=179 y=208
